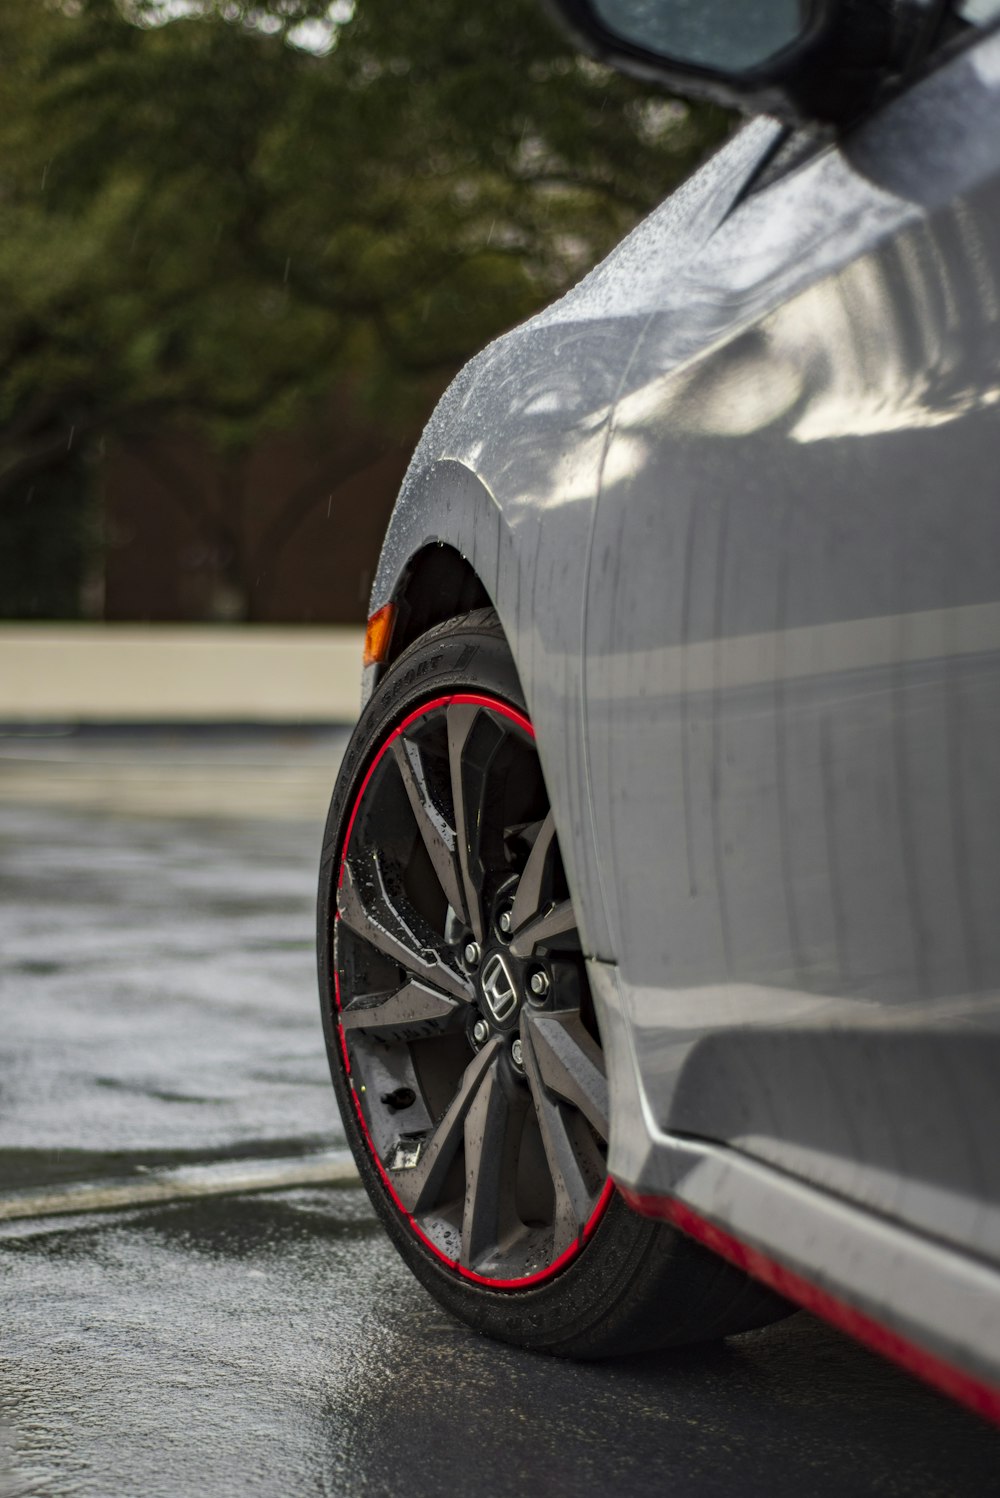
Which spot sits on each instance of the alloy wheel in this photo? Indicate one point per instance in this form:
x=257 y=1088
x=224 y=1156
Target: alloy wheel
x=466 y=1028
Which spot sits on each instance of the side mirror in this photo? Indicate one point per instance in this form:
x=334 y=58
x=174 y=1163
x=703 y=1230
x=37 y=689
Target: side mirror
x=799 y=59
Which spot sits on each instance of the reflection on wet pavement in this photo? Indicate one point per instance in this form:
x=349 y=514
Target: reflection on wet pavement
x=276 y=1345
x=157 y=992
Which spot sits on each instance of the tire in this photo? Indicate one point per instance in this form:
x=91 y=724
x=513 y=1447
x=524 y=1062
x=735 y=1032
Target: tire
x=463 y=1043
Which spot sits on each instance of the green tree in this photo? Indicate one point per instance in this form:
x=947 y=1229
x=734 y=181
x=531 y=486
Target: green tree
x=213 y=213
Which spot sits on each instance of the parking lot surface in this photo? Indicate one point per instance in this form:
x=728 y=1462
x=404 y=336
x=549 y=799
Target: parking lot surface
x=196 y=1297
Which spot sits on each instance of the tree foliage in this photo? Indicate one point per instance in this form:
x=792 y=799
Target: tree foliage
x=213 y=211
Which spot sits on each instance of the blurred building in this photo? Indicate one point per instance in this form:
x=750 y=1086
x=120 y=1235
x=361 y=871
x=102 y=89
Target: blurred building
x=164 y=528
x=289 y=533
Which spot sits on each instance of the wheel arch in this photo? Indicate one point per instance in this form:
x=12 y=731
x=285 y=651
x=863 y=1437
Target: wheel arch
x=440 y=556
x=437 y=584
x=453 y=545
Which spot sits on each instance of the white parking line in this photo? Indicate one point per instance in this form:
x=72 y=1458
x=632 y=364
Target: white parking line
x=225 y=1178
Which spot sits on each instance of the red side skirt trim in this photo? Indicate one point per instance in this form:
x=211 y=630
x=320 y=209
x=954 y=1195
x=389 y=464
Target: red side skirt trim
x=982 y=1397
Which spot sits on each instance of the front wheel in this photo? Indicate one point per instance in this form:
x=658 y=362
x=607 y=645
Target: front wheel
x=463 y=1042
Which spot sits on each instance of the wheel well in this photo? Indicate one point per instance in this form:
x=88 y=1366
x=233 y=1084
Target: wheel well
x=437 y=585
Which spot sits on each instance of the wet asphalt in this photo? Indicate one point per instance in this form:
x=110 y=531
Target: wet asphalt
x=159 y=1016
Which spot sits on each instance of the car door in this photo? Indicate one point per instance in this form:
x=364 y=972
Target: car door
x=792 y=669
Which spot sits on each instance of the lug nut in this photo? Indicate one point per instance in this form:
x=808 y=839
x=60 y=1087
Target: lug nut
x=504 y=922
x=480 y=1031
x=517 y=1055
x=473 y=954
x=539 y=984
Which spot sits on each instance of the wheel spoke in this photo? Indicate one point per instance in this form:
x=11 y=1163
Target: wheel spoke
x=437 y=835
x=467 y=796
x=490 y=1167
x=574 y=1192
x=528 y=900
x=411 y=1012
x=569 y=1063
x=386 y=930
x=558 y=921
x=419 y=1187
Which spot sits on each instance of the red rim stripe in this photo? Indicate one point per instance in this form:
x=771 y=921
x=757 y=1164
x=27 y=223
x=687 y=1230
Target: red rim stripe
x=608 y=1189
x=467 y=697
x=980 y=1396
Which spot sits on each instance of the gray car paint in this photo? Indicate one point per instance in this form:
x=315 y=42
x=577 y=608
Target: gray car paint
x=734 y=499
x=508 y=471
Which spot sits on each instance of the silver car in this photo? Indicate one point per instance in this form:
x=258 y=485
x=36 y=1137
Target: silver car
x=659 y=919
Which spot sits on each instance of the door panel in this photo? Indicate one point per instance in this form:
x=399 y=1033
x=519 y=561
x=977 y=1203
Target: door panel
x=793 y=670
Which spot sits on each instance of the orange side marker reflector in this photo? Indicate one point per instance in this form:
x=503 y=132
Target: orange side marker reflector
x=378 y=634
